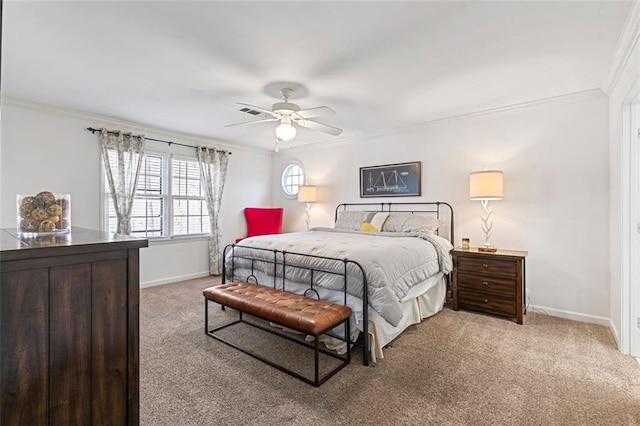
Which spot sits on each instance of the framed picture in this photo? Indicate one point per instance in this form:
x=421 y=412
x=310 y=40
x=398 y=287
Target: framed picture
x=391 y=180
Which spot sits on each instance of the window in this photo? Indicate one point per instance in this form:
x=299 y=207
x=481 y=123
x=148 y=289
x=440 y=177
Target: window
x=190 y=215
x=292 y=179
x=169 y=199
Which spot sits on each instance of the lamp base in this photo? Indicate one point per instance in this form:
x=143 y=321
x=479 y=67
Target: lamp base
x=488 y=249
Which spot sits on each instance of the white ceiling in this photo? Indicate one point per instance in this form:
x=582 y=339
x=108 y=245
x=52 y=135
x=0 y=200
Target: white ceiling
x=381 y=66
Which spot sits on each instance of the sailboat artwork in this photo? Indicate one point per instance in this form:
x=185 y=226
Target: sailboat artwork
x=387 y=181
x=392 y=180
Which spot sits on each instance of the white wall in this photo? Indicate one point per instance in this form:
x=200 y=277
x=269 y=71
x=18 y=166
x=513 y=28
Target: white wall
x=556 y=198
x=622 y=85
x=49 y=149
x=554 y=156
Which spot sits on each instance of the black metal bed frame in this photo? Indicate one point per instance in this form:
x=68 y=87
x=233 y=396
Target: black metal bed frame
x=391 y=207
x=429 y=207
x=279 y=262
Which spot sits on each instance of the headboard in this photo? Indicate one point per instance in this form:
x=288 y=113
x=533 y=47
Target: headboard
x=441 y=210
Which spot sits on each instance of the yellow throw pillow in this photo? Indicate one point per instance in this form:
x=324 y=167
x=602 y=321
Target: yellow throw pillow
x=367 y=227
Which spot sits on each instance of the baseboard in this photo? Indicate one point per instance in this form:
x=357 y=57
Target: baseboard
x=614 y=331
x=576 y=316
x=173 y=279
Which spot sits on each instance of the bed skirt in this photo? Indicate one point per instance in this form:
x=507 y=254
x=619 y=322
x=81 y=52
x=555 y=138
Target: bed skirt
x=424 y=300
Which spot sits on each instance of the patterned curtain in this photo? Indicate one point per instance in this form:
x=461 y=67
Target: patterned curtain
x=213 y=171
x=122 y=174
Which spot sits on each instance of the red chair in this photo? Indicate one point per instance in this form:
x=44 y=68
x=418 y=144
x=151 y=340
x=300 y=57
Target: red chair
x=263 y=221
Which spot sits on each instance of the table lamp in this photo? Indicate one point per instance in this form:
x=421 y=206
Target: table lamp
x=486 y=186
x=307 y=194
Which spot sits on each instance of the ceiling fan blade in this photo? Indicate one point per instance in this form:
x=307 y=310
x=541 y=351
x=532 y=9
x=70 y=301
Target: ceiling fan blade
x=266 y=111
x=314 y=112
x=314 y=125
x=252 y=122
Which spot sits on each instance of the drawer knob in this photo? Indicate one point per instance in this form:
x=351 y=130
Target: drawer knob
x=484 y=283
x=486 y=300
x=484 y=265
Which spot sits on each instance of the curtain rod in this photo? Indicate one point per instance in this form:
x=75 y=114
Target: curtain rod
x=92 y=130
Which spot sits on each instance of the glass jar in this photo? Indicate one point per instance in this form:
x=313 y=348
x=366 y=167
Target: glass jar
x=465 y=244
x=44 y=213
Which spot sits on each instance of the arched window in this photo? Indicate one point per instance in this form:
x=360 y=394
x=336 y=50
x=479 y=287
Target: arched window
x=292 y=179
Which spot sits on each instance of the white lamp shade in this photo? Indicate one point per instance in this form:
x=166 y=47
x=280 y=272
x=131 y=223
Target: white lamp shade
x=307 y=194
x=486 y=185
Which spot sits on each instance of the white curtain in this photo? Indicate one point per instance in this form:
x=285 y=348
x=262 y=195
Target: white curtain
x=122 y=172
x=213 y=171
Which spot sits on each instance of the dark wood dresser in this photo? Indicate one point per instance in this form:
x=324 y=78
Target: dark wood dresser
x=489 y=282
x=69 y=328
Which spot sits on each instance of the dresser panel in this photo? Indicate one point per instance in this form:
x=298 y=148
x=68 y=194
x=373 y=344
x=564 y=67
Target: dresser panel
x=70 y=319
x=109 y=343
x=25 y=347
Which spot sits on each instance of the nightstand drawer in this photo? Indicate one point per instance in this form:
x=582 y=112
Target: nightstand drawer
x=488 y=285
x=487 y=303
x=484 y=266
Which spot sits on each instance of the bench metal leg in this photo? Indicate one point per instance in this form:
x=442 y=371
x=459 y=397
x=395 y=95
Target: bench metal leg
x=206 y=315
x=317 y=356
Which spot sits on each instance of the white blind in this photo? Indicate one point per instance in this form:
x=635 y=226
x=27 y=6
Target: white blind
x=190 y=214
x=150 y=180
x=147 y=213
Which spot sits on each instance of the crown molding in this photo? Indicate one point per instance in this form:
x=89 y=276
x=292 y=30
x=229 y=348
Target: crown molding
x=150 y=131
x=568 y=97
x=130 y=125
x=627 y=42
x=506 y=109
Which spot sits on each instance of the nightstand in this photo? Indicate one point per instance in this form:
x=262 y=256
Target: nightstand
x=489 y=282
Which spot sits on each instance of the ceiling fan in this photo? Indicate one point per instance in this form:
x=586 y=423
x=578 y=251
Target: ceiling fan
x=288 y=113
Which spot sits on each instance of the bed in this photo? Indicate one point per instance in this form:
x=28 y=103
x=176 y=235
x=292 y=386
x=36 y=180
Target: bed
x=389 y=262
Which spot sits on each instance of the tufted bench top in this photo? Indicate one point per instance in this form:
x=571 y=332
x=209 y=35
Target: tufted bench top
x=291 y=310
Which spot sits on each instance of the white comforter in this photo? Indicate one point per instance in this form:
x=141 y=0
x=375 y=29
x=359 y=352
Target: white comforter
x=393 y=262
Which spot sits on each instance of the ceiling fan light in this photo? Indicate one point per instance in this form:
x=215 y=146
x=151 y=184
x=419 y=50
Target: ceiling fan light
x=285 y=132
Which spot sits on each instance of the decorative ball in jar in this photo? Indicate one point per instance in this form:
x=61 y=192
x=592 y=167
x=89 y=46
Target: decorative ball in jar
x=44 y=213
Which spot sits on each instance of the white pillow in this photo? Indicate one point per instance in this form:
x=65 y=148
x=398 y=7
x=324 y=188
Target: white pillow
x=411 y=222
x=351 y=220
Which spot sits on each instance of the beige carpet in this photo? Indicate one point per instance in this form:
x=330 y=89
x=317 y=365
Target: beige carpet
x=456 y=368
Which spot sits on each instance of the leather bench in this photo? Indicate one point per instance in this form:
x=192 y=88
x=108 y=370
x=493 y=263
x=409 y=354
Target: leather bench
x=304 y=314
